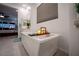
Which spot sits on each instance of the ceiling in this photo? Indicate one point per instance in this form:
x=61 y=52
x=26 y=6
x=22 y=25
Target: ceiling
x=18 y=5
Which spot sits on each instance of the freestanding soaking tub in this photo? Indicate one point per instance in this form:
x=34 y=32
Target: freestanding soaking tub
x=43 y=45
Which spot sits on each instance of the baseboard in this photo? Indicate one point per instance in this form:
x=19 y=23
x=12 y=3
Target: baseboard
x=63 y=51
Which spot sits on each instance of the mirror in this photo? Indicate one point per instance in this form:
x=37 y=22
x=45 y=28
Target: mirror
x=46 y=12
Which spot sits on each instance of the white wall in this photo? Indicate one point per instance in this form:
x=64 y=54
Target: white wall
x=59 y=26
x=74 y=32
x=64 y=26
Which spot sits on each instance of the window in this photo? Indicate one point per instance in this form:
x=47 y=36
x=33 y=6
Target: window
x=47 y=11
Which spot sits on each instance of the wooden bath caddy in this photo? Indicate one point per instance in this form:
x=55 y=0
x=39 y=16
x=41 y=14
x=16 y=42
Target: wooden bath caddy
x=37 y=34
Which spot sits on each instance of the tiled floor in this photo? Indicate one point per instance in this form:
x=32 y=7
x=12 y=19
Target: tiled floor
x=8 y=47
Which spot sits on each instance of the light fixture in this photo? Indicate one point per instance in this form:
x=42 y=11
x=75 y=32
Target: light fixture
x=28 y=8
x=24 y=5
x=1 y=16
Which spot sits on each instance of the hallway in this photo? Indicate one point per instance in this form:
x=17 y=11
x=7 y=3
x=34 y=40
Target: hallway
x=8 y=47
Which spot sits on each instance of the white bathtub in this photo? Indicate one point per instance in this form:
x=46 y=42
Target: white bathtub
x=44 y=45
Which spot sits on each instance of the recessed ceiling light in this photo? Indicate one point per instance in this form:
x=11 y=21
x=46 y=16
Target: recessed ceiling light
x=28 y=7
x=24 y=5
